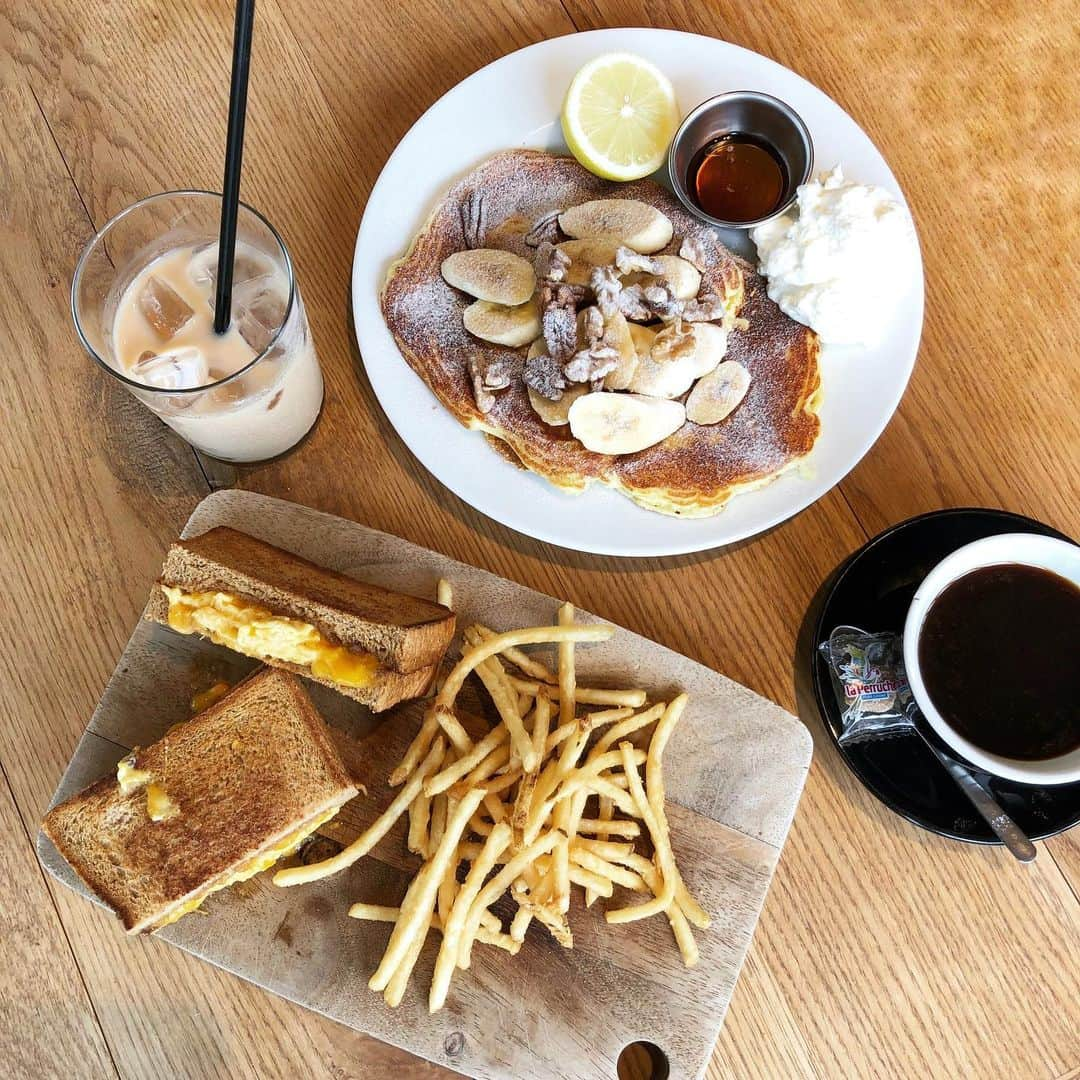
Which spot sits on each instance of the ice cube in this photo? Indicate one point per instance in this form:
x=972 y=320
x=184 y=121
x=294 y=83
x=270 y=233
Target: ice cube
x=258 y=312
x=202 y=267
x=247 y=266
x=164 y=308
x=179 y=369
x=232 y=393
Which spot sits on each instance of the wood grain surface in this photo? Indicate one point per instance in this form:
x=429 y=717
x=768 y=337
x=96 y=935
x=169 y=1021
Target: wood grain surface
x=882 y=951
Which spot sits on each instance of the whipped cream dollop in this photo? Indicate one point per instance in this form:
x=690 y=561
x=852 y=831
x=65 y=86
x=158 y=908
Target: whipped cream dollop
x=839 y=259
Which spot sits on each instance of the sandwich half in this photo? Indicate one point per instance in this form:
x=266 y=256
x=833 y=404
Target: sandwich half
x=377 y=646
x=219 y=799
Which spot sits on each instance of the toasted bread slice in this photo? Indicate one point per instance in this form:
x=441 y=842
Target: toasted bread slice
x=252 y=771
x=385 y=690
x=408 y=636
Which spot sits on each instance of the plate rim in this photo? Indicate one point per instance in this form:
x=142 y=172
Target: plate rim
x=823 y=691
x=667 y=545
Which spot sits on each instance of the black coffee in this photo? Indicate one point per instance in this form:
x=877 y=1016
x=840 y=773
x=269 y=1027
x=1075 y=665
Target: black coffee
x=1000 y=656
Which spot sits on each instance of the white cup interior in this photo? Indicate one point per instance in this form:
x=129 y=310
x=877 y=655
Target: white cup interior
x=1027 y=549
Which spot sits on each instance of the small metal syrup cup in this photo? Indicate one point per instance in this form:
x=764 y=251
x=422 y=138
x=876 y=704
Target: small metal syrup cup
x=744 y=112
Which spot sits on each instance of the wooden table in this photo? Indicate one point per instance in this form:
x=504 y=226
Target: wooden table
x=883 y=950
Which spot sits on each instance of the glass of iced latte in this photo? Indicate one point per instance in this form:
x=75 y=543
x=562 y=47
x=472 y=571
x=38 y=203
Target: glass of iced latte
x=143 y=303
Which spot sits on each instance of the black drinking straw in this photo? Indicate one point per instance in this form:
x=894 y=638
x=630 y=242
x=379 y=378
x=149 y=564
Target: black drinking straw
x=234 y=152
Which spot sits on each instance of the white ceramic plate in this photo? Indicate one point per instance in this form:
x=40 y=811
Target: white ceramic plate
x=515 y=102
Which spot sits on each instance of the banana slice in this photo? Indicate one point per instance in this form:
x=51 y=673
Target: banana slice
x=503 y=325
x=489 y=274
x=683 y=277
x=710 y=346
x=617 y=333
x=623 y=423
x=625 y=221
x=556 y=413
x=716 y=396
x=641 y=338
x=664 y=379
x=585 y=256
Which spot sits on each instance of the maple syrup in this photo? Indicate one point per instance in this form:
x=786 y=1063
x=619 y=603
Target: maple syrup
x=737 y=178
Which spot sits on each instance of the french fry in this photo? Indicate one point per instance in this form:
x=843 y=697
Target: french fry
x=519 y=925
x=581 y=778
x=494 y=785
x=498 y=885
x=612 y=872
x=676 y=913
x=399 y=980
x=616 y=789
x=440 y=806
x=584 y=877
x=419 y=820
x=561 y=859
x=417 y=748
x=554 y=921
x=523 y=801
x=499 y=940
x=606 y=849
x=626 y=727
x=374 y=912
x=493 y=805
x=612 y=827
x=444 y=593
x=584 y=695
x=297 y=875
x=388 y=913
x=459 y=915
x=451 y=774
x=522 y=661
x=571 y=750
x=531 y=635
x=654 y=788
x=416 y=909
x=492 y=675
x=487 y=768
x=665 y=859
x=451 y=725
x=605 y=812
x=567 y=671
x=448 y=889
x=490 y=921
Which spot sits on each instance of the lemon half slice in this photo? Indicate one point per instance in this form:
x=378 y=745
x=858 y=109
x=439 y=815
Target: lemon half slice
x=619 y=116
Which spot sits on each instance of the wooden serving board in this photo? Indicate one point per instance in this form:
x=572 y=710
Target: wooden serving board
x=735 y=769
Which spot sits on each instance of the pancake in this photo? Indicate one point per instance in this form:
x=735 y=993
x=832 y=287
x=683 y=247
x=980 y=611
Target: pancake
x=693 y=472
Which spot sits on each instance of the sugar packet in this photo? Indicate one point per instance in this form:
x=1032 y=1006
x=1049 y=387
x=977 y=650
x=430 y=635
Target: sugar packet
x=870 y=683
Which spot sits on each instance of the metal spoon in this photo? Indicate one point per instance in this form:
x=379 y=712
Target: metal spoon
x=1007 y=831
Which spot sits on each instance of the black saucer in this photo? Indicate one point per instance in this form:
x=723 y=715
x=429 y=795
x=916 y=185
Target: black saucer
x=873 y=590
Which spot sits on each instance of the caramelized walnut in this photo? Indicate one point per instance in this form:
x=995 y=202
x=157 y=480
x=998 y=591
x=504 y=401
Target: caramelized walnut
x=544 y=374
x=627 y=261
x=693 y=251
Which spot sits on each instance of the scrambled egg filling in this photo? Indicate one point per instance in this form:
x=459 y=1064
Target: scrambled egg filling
x=129 y=778
x=255 y=865
x=254 y=631
x=159 y=807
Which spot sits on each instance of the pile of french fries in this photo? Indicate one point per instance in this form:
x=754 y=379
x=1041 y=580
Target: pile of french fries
x=508 y=811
